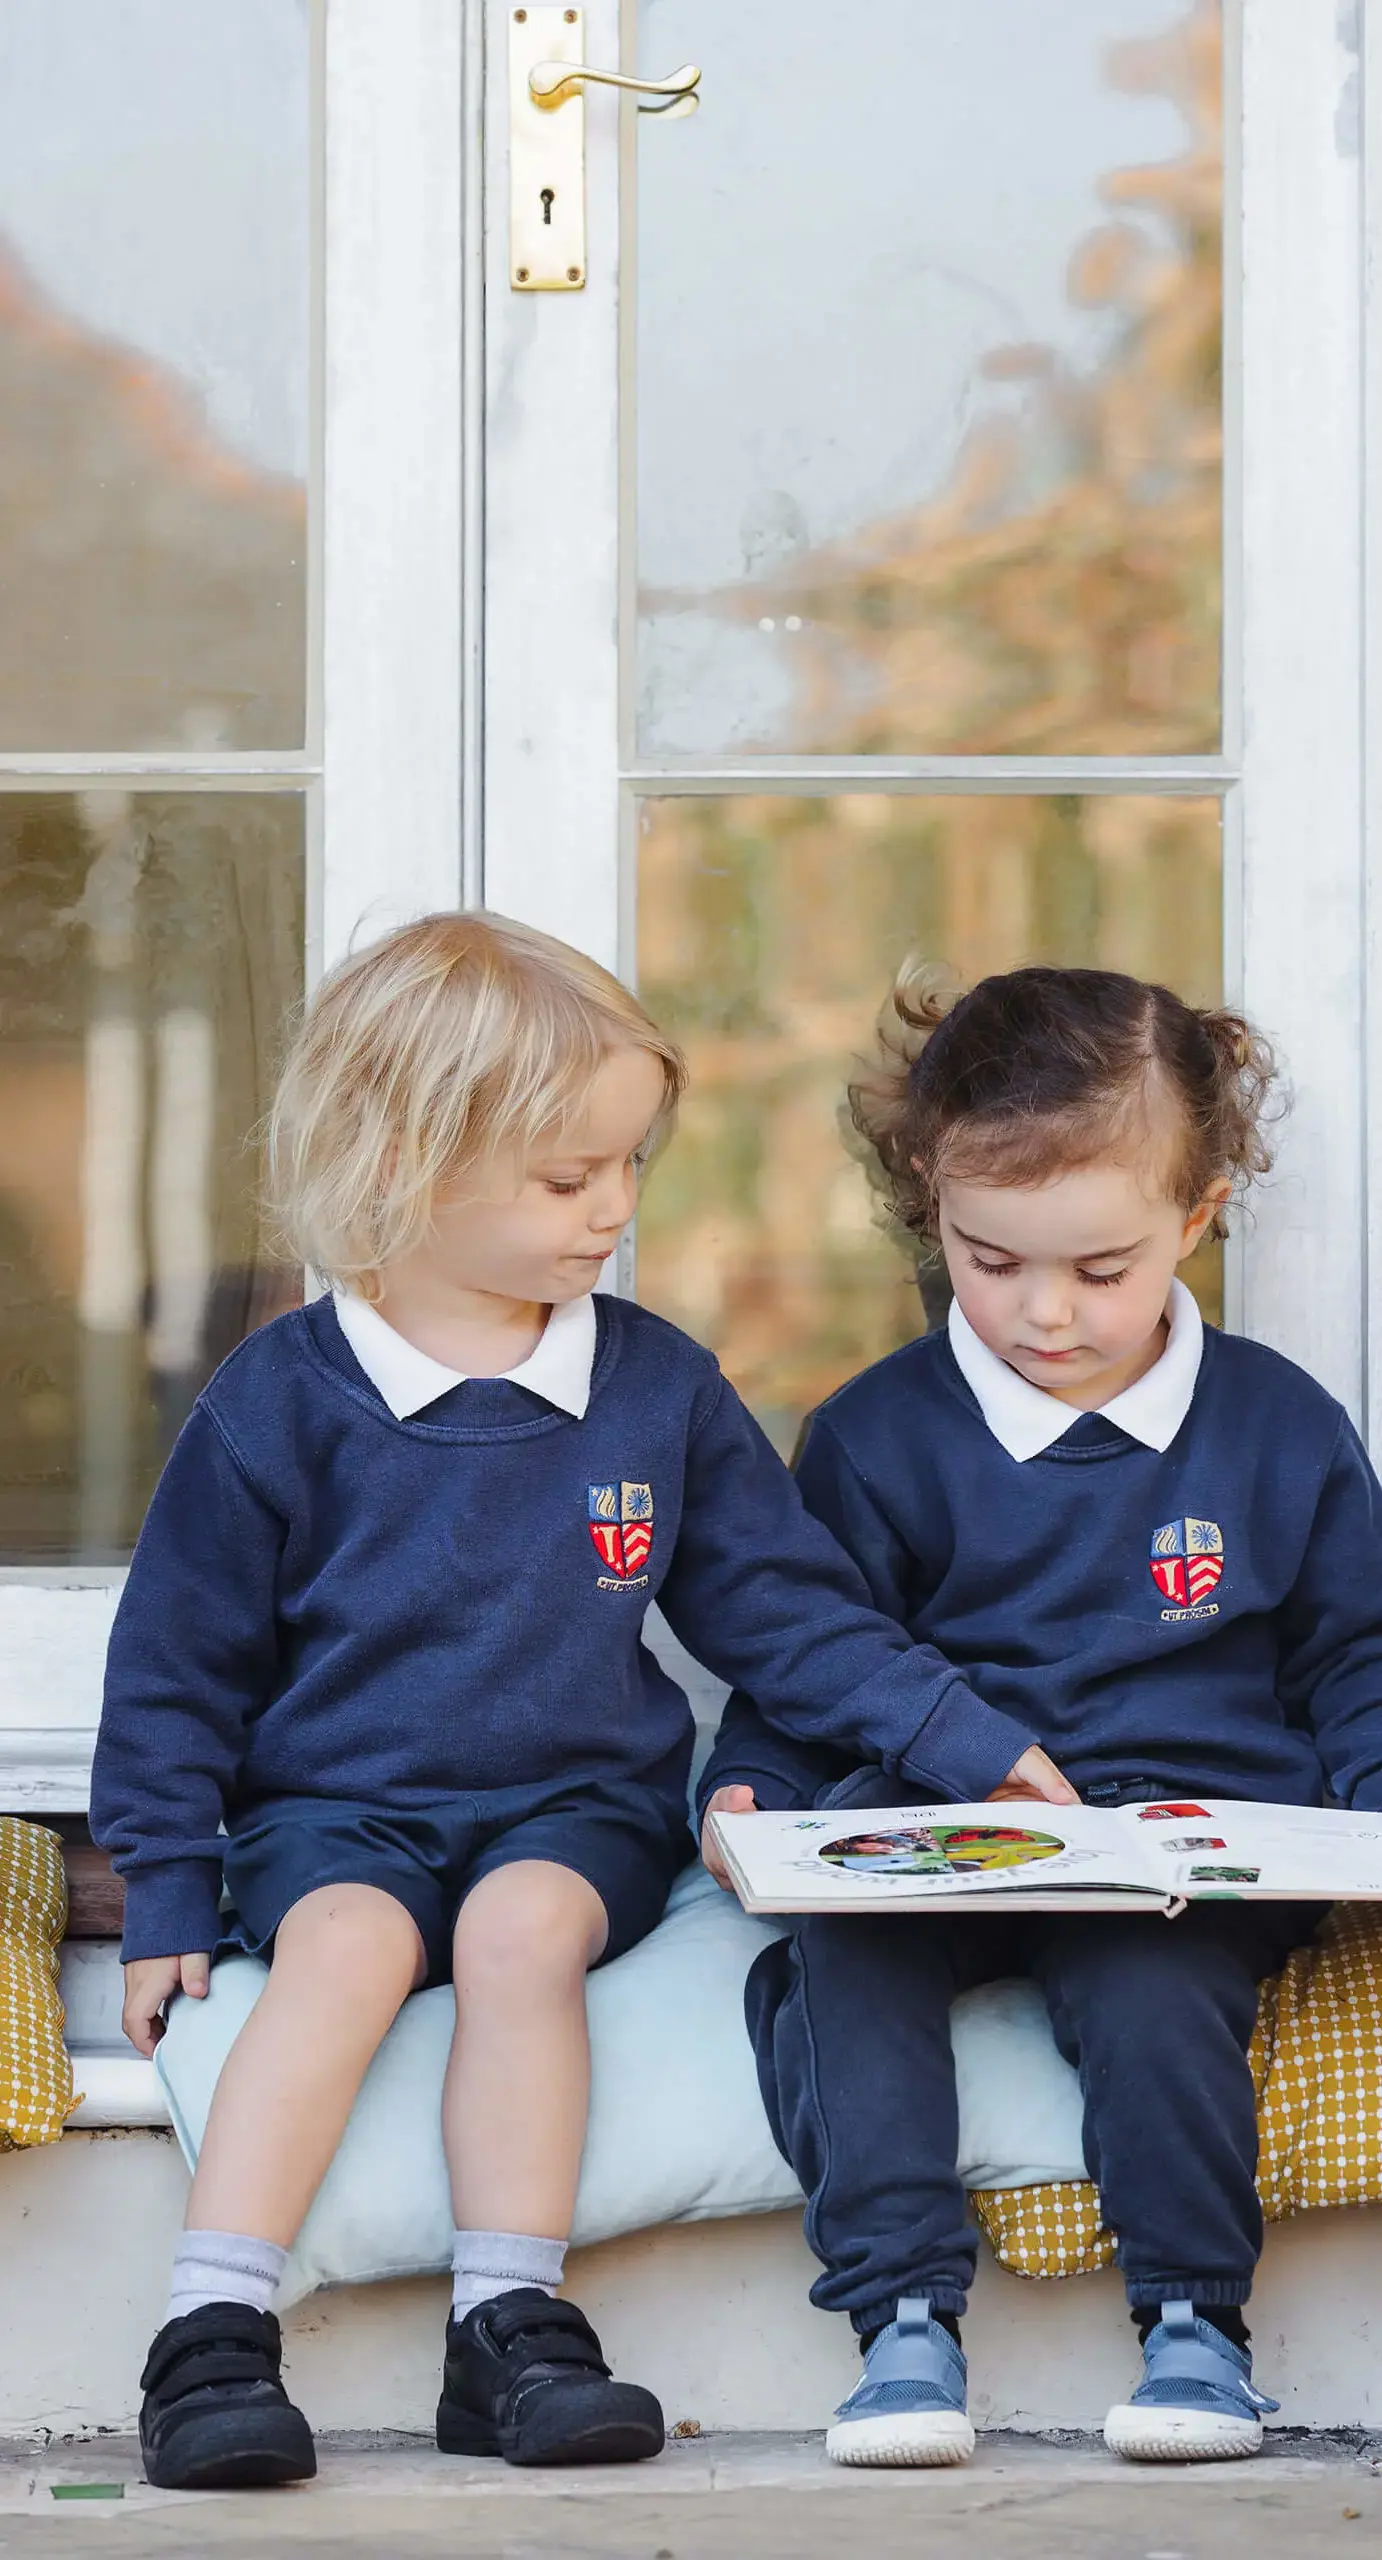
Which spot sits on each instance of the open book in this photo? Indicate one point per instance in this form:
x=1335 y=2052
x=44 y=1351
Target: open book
x=1151 y=1857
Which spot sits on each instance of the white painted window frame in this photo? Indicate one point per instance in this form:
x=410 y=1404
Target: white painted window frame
x=388 y=751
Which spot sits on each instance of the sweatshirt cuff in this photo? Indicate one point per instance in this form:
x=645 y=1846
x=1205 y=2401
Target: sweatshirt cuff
x=965 y=1749
x=173 y=1909
x=774 y=1790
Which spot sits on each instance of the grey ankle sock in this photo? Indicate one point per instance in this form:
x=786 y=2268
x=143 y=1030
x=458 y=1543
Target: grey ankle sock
x=224 y=2266
x=484 y=2263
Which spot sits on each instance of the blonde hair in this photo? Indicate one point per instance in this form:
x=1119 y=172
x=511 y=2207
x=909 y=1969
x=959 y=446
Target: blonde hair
x=449 y=1041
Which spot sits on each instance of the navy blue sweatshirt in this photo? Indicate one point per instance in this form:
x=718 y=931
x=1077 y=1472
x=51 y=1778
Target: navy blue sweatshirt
x=327 y=1601
x=1207 y=1619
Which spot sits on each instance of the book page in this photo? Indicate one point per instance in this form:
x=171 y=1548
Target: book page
x=1216 y=1847
x=914 y=1857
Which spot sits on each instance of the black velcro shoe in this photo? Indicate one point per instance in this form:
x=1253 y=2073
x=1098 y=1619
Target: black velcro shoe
x=215 y=2414
x=525 y=2378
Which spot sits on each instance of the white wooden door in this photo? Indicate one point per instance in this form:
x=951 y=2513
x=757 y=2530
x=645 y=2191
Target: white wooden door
x=935 y=521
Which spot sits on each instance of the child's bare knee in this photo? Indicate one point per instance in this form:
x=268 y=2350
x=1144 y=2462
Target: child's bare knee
x=353 y=1936
x=527 y=1925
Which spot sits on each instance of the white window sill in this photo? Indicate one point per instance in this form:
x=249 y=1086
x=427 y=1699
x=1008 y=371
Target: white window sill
x=118 y=2088
x=118 y=2091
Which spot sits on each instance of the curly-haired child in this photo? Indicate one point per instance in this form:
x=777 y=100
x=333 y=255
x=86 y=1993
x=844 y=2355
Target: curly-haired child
x=1154 y=1546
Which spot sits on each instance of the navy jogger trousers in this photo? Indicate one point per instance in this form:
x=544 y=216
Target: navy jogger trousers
x=850 y=2020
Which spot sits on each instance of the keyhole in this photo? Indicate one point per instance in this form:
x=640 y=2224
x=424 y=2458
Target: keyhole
x=549 y=197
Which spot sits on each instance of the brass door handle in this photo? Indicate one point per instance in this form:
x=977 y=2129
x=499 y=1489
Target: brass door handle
x=550 y=84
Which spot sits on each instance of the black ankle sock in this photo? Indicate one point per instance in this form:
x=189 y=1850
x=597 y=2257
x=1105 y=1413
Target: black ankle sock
x=1226 y=2317
x=947 y=2320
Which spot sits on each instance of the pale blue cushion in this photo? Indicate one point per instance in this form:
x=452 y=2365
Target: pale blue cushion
x=677 y=2129
x=1021 y=2113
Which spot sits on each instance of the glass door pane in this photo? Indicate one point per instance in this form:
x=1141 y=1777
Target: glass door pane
x=769 y=931
x=154 y=352
x=150 y=953
x=928 y=379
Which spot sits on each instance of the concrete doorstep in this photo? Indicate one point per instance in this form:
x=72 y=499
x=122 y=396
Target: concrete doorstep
x=762 y=2497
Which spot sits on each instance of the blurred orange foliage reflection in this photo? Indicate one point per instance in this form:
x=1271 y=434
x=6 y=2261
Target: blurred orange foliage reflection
x=1001 y=620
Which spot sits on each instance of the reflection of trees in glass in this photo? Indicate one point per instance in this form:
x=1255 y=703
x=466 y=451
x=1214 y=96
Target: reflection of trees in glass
x=152 y=594
x=768 y=932
x=149 y=949
x=154 y=586
x=1063 y=597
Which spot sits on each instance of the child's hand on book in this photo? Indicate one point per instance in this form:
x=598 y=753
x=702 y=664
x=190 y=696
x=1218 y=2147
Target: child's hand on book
x=724 y=1800
x=1034 y=1778
x=151 y=1981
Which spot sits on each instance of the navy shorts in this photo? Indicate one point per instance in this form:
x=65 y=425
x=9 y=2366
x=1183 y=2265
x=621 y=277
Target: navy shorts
x=622 y=1843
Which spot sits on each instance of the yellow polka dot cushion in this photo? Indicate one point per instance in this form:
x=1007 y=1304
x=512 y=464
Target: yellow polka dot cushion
x=36 y=2093
x=1316 y=2060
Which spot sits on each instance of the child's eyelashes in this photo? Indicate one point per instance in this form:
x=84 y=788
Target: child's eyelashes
x=1005 y=1270
x=567 y=1189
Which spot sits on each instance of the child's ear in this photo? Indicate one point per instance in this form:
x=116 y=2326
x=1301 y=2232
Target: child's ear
x=1203 y=1214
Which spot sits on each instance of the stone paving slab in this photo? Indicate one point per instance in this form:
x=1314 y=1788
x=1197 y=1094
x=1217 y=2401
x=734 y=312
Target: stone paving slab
x=715 y=2498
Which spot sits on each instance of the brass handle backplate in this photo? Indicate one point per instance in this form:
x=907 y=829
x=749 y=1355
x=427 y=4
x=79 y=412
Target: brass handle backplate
x=547 y=86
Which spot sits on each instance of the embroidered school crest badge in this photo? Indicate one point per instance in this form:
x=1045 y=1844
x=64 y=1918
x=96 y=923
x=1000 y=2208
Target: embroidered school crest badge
x=621 y=1526
x=1187 y=1559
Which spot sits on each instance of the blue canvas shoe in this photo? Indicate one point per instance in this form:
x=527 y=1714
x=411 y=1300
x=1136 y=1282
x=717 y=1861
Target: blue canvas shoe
x=910 y=2405
x=1196 y=2401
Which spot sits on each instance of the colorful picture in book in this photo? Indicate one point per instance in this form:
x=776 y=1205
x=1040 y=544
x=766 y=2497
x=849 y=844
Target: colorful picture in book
x=941 y=1849
x=1173 y=1813
x=1225 y=1875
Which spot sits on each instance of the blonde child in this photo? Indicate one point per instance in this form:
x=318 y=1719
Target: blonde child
x=1158 y=1550
x=378 y=1668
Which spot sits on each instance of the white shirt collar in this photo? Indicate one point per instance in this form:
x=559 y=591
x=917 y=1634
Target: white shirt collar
x=1026 y=1420
x=408 y=1379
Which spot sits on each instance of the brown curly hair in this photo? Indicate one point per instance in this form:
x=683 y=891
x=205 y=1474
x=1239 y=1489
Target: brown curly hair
x=1040 y=1070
